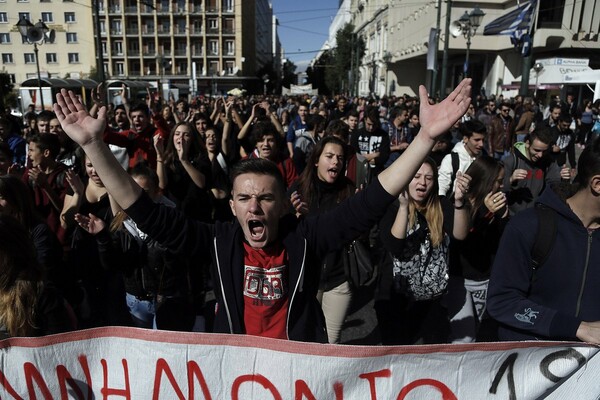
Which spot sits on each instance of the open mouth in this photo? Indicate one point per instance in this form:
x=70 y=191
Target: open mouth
x=421 y=190
x=333 y=172
x=256 y=228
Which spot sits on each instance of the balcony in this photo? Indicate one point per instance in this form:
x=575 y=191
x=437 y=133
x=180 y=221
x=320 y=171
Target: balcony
x=228 y=31
x=148 y=30
x=149 y=53
x=116 y=32
x=131 y=10
x=179 y=30
x=195 y=30
x=133 y=53
x=180 y=52
x=163 y=30
x=132 y=31
x=197 y=52
x=145 y=9
x=114 y=10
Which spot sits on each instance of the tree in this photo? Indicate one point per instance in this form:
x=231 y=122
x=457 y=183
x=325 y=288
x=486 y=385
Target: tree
x=289 y=74
x=316 y=73
x=344 y=60
x=8 y=97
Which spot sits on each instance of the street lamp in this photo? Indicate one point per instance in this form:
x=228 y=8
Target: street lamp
x=35 y=34
x=467 y=25
x=265 y=79
x=538 y=67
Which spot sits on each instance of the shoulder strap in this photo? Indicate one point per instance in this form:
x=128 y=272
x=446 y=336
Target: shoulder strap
x=545 y=237
x=455 y=166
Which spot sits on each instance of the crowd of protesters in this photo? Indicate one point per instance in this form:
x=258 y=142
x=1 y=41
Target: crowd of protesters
x=75 y=254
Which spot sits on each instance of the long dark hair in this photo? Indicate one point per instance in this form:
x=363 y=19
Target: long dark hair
x=484 y=173
x=17 y=195
x=196 y=146
x=20 y=278
x=308 y=180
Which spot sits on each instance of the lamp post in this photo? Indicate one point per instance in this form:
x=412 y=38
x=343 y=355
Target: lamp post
x=34 y=34
x=538 y=67
x=469 y=22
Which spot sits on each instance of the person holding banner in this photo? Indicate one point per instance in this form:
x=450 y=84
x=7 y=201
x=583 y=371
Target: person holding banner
x=262 y=284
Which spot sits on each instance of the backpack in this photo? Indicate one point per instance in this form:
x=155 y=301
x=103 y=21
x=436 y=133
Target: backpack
x=544 y=238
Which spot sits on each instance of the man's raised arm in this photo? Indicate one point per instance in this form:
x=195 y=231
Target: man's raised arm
x=87 y=132
x=435 y=120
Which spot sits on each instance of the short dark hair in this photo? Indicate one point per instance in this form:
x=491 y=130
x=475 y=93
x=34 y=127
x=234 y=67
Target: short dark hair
x=142 y=169
x=543 y=134
x=46 y=116
x=468 y=128
x=315 y=122
x=140 y=107
x=258 y=166
x=396 y=111
x=372 y=114
x=262 y=129
x=565 y=117
x=588 y=164
x=338 y=128
x=47 y=142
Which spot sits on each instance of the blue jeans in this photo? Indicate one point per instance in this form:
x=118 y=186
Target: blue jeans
x=142 y=311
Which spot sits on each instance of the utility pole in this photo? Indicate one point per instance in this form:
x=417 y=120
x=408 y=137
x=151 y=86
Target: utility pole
x=445 y=56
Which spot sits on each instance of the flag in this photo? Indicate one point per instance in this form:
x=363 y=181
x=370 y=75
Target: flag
x=516 y=23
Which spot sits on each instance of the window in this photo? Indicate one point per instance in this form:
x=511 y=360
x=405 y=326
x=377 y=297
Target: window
x=229 y=68
x=103 y=27
x=24 y=15
x=4 y=38
x=29 y=58
x=118 y=48
x=104 y=48
x=212 y=24
x=71 y=37
x=228 y=5
x=73 y=58
x=3 y=18
x=69 y=17
x=51 y=58
x=214 y=47
x=115 y=27
x=7 y=58
x=47 y=17
x=119 y=68
x=229 y=48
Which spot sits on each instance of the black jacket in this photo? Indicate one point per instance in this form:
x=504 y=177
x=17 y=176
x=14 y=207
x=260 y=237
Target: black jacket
x=306 y=241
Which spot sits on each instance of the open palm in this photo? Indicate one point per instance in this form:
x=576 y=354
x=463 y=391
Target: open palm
x=438 y=118
x=76 y=120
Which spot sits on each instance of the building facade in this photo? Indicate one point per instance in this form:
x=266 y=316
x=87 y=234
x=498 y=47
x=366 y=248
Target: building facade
x=224 y=41
x=397 y=34
x=70 y=55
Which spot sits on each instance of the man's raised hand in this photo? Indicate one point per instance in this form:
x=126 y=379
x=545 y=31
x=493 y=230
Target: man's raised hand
x=436 y=119
x=75 y=119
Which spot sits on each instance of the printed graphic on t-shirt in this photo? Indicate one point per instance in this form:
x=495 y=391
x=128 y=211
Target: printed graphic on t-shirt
x=265 y=286
x=368 y=144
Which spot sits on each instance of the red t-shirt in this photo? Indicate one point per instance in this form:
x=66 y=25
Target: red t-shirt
x=266 y=291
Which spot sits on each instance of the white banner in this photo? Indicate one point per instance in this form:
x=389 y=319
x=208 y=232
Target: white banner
x=142 y=364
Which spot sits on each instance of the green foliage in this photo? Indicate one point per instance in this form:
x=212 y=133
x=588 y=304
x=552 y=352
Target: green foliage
x=95 y=75
x=289 y=74
x=7 y=96
x=344 y=60
x=316 y=73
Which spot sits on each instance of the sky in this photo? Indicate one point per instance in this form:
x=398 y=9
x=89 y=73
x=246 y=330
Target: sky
x=303 y=27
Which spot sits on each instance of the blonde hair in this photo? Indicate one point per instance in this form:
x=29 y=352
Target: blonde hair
x=431 y=210
x=20 y=279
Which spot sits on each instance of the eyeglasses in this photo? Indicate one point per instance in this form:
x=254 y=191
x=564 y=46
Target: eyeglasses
x=505 y=110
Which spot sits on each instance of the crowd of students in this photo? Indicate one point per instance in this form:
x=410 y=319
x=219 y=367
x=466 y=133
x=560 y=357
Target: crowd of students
x=213 y=247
